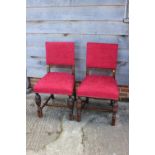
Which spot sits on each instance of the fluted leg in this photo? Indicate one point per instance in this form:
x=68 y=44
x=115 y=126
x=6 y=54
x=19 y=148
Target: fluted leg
x=115 y=109
x=38 y=103
x=78 y=108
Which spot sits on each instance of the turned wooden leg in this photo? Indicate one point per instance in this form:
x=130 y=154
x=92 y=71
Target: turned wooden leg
x=38 y=103
x=115 y=109
x=78 y=108
x=70 y=104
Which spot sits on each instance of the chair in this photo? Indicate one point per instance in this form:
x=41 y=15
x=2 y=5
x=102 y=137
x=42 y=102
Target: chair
x=58 y=54
x=99 y=56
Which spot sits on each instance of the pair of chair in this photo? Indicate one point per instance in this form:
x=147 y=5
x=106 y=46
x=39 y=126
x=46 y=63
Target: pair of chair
x=61 y=54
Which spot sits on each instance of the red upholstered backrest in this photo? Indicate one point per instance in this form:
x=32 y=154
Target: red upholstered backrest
x=102 y=55
x=60 y=53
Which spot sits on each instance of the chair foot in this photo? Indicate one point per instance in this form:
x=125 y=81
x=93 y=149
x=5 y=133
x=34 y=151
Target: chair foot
x=38 y=103
x=71 y=117
x=40 y=113
x=78 y=118
x=78 y=108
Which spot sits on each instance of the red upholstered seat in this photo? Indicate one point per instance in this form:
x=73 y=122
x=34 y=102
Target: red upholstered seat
x=99 y=87
x=55 y=83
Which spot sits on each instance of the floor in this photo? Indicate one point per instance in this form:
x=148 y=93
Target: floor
x=54 y=134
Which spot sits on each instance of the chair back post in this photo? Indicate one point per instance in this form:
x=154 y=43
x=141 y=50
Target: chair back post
x=48 y=68
x=87 y=71
x=73 y=70
x=114 y=73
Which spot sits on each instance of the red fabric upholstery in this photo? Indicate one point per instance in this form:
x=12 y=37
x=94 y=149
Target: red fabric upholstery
x=55 y=83
x=101 y=55
x=60 y=53
x=99 y=87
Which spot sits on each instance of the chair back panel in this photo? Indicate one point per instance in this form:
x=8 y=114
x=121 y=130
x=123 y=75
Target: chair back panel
x=60 y=53
x=102 y=55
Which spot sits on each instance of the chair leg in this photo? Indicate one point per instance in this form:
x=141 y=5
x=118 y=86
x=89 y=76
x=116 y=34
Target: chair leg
x=70 y=104
x=74 y=96
x=78 y=108
x=113 y=119
x=74 y=93
x=87 y=100
x=38 y=103
x=115 y=109
x=52 y=96
x=111 y=103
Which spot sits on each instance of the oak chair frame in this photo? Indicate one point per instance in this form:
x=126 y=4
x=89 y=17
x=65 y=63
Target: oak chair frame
x=81 y=105
x=70 y=101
